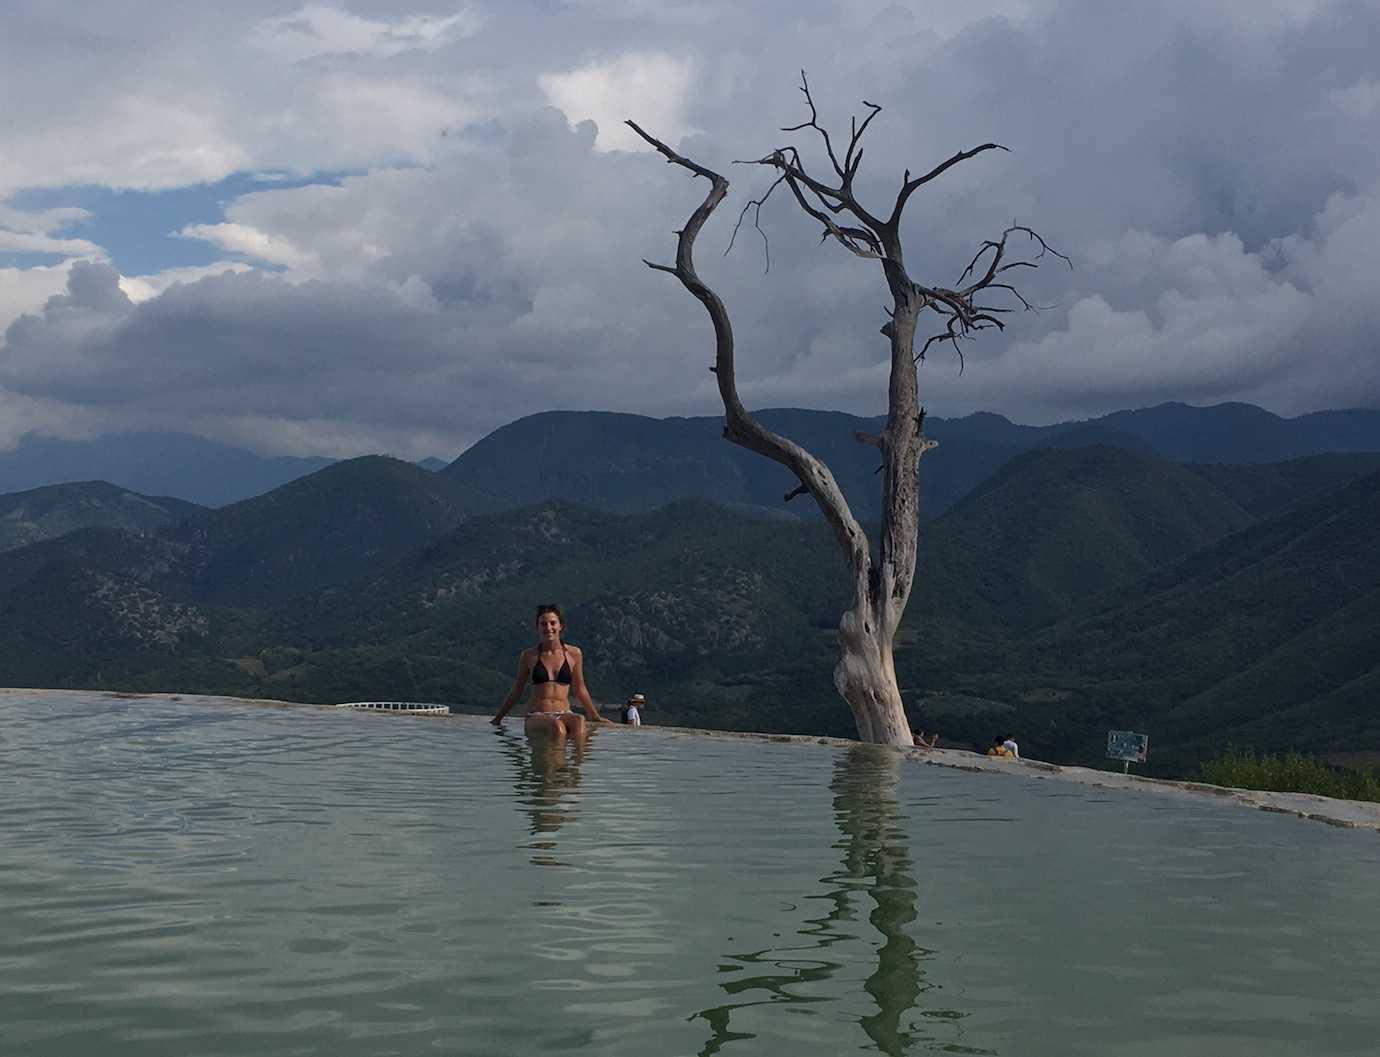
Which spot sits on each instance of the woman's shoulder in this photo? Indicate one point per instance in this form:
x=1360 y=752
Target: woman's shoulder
x=574 y=649
x=529 y=655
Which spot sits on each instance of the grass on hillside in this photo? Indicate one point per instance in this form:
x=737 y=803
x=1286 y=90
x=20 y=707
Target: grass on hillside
x=1290 y=773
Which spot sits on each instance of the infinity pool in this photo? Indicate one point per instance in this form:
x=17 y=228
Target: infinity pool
x=192 y=880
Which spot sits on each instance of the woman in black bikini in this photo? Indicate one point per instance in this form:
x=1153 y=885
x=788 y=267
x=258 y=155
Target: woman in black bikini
x=553 y=669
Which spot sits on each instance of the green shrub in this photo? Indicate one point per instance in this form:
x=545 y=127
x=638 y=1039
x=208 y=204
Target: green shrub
x=1291 y=772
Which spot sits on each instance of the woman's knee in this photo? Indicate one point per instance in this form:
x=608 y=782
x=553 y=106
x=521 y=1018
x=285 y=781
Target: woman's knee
x=548 y=725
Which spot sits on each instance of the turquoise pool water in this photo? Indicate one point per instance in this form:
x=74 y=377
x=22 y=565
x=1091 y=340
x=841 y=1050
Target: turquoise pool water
x=193 y=880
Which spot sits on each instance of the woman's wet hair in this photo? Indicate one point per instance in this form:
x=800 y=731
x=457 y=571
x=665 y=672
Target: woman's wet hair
x=551 y=607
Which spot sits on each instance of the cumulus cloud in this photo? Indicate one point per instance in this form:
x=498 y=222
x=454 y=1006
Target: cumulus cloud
x=25 y=289
x=433 y=318
x=1202 y=319
x=321 y=29
x=657 y=84
x=33 y=231
x=1211 y=169
x=207 y=90
x=139 y=288
x=253 y=243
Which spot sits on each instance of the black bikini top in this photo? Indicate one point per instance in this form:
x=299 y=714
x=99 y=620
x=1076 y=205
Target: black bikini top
x=541 y=675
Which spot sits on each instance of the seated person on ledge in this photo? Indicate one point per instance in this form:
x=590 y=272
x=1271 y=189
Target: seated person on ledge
x=919 y=735
x=554 y=670
x=999 y=747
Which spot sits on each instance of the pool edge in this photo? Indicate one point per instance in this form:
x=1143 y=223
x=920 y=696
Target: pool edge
x=1346 y=814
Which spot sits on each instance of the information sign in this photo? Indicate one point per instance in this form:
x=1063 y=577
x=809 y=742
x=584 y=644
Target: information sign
x=1127 y=746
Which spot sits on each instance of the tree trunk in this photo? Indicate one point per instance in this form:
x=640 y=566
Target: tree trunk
x=866 y=672
x=865 y=677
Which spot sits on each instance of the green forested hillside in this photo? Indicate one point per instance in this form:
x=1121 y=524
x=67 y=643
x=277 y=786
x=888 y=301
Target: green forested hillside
x=1076 y=589
x=1248 y=635
x=91 y=605
x=1266 y=489
x=1054 y=526
x=44 y=513
x=340 y=523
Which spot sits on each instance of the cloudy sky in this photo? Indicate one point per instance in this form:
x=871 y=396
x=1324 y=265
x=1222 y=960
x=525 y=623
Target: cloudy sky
x=394 y=225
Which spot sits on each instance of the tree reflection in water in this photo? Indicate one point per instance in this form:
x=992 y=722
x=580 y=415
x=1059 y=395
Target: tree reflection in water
x=547 y=773
x=876 y=865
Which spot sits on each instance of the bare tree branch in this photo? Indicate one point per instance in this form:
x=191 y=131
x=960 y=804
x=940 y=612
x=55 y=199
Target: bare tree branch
x=909 y=186
x=964 y=314
x=951 y=334
x=814 y=124
x=740 y=427
x=853 y=159
x=998 y=250
x=859 y=241
x=756 y=204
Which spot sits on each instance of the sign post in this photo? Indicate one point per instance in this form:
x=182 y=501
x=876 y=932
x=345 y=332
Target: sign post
x=1128 y=747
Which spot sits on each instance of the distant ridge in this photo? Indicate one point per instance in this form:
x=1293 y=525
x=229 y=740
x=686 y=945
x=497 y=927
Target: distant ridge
x=166 y=464
x=631 y=463
x=1244 y=433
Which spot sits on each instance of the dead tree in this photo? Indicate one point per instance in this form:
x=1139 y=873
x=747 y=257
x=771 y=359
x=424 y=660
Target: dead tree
x=865 y=675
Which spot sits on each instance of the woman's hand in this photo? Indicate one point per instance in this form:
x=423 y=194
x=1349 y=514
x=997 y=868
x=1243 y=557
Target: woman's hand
x=526 y=659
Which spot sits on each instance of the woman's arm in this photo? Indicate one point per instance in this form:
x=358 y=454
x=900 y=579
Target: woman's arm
x=524 y=672
x=577 y=684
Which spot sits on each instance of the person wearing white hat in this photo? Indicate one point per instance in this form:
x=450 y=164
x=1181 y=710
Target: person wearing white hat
x=631 y=716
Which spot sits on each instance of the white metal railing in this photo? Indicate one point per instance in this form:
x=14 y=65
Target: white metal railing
x=411 y=708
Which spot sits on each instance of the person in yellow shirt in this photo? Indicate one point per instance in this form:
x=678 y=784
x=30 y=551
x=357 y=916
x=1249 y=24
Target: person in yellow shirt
x=999 y=748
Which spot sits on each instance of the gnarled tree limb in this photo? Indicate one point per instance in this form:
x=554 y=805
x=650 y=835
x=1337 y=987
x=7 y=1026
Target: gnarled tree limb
x=740 y=426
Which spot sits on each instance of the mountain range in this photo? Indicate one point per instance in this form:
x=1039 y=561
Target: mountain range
x=1072 y=588
x=629 y=462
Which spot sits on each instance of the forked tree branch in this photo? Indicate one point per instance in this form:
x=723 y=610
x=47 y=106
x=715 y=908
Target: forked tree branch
x=909 y=186
x=845 y=220
x=964 y=316
x=755 y=204
x=740 y=427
